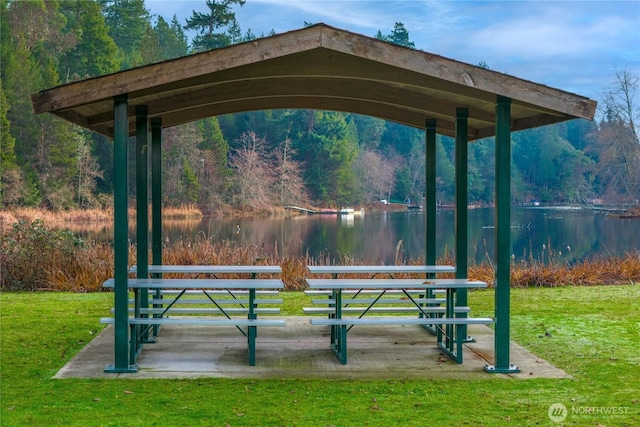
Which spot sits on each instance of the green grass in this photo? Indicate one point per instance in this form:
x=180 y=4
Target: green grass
x=594 y=336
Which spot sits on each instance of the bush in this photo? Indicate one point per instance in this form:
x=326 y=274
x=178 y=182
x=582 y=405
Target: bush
x=28 y=250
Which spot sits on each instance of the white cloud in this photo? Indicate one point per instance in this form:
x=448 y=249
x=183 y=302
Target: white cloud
x=571 y=45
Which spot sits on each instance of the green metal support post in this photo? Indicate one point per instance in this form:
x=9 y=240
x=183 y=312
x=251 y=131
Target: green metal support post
x=142 y=217
x=156 y=190
x=430 y=203
x=120 y=239
x=430 y=192
x=156 y=201
x=503 y=239
x=461 y=215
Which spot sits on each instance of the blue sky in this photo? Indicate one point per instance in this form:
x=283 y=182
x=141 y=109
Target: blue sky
x=567 y=44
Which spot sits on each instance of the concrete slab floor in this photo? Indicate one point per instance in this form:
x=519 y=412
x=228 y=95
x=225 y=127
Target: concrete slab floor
x=301 y=350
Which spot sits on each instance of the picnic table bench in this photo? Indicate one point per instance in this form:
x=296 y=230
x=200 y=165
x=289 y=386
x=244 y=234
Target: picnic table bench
x=349 y=300
x=231 y=297
x=374 y=270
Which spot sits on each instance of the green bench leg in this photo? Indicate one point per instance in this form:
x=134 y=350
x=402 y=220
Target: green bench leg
x=453 y=341
x=339 y=344
x=430 y=328
x=251 y=343
x=460 y=339
x=343 y=344
x=134 y=346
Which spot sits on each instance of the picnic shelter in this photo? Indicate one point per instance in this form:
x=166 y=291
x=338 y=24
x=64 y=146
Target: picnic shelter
x=318 y=67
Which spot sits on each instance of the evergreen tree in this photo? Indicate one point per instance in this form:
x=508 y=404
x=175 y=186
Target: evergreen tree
x=481 y=175
x=191 y=183
x=577 y=132
x=173 y=40
x=235 y=33
x=7 y=141
x=328 y=155
x=552 y=169
x=128 y=21
x=400 y=138
x=95 y=53
x=220 y=16
x=249 y=35
x=370 y=131
x=11 y=177
x=150 y=50
x=445 y=172
x=164 y=41
x=215 y=160
x=44 y=144
x=399 y=36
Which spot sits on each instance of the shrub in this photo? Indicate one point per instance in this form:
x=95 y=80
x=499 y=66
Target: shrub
x=28 y=249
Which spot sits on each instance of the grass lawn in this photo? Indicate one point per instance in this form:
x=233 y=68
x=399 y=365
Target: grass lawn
x=593 y=333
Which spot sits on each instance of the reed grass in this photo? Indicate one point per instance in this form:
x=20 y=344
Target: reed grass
x=185 y=212
x=37 y=258
x=70 y=218
x=55 y=219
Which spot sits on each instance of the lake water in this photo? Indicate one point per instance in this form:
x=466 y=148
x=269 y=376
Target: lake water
x=565 y=235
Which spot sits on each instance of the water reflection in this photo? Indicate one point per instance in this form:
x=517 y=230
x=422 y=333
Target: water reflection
x=382 y=237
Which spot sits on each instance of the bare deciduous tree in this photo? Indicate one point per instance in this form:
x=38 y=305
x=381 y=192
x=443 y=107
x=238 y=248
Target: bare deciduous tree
x=617 y=140
x=253 y=172
x=290 y=184
x=376 y=175
x=87 y=172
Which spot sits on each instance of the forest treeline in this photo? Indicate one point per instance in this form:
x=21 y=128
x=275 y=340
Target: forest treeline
x=262 y=159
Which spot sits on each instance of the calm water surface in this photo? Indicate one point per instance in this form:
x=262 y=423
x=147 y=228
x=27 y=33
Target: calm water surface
x=564 y=235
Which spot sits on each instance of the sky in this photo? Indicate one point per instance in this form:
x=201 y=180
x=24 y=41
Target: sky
x=572 y=45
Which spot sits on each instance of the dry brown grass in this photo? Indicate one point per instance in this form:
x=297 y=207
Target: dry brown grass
x=184 y=212
x=85 y=273
x=84 y=267
x=67 y=219
x=599 y=271
x=56 y=219
x=95 y=264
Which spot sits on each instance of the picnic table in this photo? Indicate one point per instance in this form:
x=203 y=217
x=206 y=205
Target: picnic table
x=226 y=299
x=367 y=297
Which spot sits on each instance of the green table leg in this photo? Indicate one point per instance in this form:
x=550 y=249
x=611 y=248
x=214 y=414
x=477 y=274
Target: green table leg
x=251 y=330
x=251 y=342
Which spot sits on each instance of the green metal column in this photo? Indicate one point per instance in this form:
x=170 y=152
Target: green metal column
x=430 y=192
x=142 y=213
x=503 y=238
x=156 y=203
x=156 y=190
x=461 y=170
x=120 y=237
x=142 y=196
x=430 y=204
x=461 y=220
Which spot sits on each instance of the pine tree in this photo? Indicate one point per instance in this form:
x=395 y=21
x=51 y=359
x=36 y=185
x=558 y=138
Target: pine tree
x=399 y=36
x=128 y=21
x=220 y=16
x=95 y=53
x=11 y=177
x=328 y=154
x=172 y=39
x=43 y=144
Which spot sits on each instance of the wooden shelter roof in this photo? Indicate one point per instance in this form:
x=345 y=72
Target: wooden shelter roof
x=319 y=67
